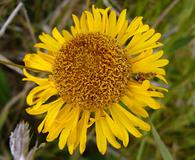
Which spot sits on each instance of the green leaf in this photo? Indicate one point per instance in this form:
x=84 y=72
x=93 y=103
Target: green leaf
x=141 y=150
x=181 y=42
x=160 y=144
x=187 y=10
x=4 y=88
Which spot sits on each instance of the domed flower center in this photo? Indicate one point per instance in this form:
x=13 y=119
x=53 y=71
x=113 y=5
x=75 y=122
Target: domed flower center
x=91 y=71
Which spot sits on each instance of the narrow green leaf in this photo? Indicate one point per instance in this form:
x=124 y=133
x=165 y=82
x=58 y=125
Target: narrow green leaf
x=181 y=42
x=160 y=144
x=5 y=92
x=141 y=150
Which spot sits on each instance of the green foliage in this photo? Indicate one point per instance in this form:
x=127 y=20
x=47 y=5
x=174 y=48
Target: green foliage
x=160 y=144
x=5 y=91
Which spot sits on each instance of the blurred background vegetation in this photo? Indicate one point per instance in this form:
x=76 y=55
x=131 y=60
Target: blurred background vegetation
x=175 y=122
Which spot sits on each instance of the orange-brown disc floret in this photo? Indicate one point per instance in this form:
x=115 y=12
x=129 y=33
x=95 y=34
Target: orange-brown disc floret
x=91 y=70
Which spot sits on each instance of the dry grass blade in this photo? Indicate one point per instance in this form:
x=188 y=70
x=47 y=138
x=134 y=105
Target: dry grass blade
x=6 y=108
x=10 y=18
x=29 y=24
x=68 y=14
x=6 y=61
x=57 y=12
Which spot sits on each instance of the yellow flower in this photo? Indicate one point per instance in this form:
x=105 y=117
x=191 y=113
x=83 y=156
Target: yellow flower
x=98 y=75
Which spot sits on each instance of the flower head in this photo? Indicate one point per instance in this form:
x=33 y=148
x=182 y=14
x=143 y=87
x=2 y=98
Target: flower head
x=99 y=74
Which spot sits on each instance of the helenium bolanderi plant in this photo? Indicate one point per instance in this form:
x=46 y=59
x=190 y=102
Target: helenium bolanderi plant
x=98 y=75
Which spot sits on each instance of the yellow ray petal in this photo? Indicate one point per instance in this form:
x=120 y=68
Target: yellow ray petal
x=136 y=121
x=160 y=63
x=144 y=41
x=124 y=121
x=59 y=125
x=162 y=78
x=40 y=94
x=145 y=84
x=65 y=114
x=123 y=131
x=34 y=91
x=56 y=34
x=150 y=102
x=63 y=138
x=68 y=129
x=47 y=57
x=108 y=133
x=83 y=135
x=121 y=20
x=157 y=88
x=147 y=62
x=132 y=30
x=148 y=56
x=54 y=132
x=76 y=22
x=134 y=51
x=142 y=29
x=124 y=134
x=37 y=80
x=122 y=34
x=156 y=94
x=35 y=61
x=142 y=94
x=49 y=41
x=41 y=125
x=90 y=21
x=52 y=114
x=104 y=13
x=40 y=109
x=47 y=47
x=72 y=140
x=83 y=23
x=97 y=19
x=133 y=26
x=141 y=56
x=67 y=35
x=111 y=27
x=73 y=31
x=135 y=106
x=113 y=126
x=100 y=137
